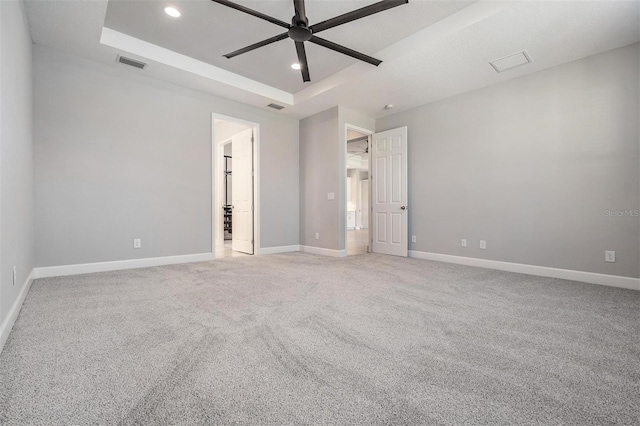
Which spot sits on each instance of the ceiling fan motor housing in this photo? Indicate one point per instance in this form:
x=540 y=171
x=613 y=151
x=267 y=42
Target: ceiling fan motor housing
x=300 y=33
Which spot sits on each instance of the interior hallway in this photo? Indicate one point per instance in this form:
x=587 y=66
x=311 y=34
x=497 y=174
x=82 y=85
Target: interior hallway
x=357 y=241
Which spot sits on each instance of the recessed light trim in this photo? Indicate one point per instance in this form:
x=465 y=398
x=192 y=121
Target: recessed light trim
x=388 y=106
x=296 y=66
x=511 y=61
x=172 y=11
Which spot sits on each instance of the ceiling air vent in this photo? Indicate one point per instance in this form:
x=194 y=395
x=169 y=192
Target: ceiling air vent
x=511 y=61
x=275 y=106
x=131 y=62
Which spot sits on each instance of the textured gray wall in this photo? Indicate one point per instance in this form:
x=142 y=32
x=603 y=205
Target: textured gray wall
x=16 y=153
x=319 y=174
x=120 y=156
x=532 y=166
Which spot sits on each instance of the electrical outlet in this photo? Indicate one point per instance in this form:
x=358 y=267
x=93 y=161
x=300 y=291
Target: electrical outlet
x=15 y=275
x=413 y=238
x=463 y=242
x=317 y=235
x=483 y=245
x=137 y=243
x=331 y=196
x=610 y=256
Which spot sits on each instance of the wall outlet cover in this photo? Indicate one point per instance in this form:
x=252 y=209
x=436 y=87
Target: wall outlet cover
x=137 y=243
x=413 y=238
x=610 y=256
x=483 y=245
x=331 y=196
x=463 y=242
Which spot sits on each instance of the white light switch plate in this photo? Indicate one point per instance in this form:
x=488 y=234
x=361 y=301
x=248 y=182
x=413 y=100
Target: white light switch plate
x=331 y=196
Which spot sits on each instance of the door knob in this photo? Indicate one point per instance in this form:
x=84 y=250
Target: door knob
x=403 y=207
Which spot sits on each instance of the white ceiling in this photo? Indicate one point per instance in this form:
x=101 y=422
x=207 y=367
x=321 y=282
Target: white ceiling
x=431 y=49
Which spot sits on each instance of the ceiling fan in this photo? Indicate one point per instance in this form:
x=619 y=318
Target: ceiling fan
x=300 y=31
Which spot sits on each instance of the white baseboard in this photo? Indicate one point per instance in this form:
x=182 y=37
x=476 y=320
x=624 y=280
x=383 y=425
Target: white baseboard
x=7 y=324
x=88 y=268
x=279 y=249
x=323 y=251
x=543 y=271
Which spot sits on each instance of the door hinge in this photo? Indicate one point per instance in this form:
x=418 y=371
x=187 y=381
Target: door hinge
x=252 y=173
x=251 y=207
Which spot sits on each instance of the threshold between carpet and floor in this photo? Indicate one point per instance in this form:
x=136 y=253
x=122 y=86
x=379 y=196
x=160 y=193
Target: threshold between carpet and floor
x=303 y=339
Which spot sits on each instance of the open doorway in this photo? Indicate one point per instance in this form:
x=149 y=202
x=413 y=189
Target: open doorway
x=235 y=213
x=357 y=191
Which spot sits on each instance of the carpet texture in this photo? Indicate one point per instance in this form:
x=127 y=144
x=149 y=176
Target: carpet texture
x=303 y=339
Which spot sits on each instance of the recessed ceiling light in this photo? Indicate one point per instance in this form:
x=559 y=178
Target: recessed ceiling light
x=296 y=66
x=172 y=11
x=388 y=106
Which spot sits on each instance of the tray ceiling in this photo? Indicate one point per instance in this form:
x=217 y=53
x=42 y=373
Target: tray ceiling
x=207 y=30
x=431 y=49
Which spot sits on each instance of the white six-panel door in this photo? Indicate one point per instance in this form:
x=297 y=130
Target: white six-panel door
x=389 y=192
x=242 y=192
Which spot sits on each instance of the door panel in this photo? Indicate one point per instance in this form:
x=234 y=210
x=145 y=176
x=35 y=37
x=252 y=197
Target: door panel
x=389 y=203
x=242 y=191
x=381 y=228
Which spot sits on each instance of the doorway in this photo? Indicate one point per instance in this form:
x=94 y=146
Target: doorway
x=235 y=144
x=357 y=191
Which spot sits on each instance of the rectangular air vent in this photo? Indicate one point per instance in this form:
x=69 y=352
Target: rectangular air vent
x=275 y=106
x=131 y=62
x=511 y=61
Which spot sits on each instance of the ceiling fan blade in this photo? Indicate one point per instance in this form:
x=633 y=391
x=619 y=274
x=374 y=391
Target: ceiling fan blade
x=257 y=45
x=301 y=14
x=252 y=12
x=302 y=60
x=345 y=50
x=357 y=14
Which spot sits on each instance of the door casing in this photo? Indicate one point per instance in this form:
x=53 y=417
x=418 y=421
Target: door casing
x=217 y=183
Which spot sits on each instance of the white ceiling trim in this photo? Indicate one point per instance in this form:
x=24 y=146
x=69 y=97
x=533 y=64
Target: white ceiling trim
x=168 y=57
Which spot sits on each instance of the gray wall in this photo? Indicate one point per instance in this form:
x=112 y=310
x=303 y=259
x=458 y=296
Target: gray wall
x=120 y=156
x=323 y=146
x=16 y=153
x=532 y=165
x=319 y=174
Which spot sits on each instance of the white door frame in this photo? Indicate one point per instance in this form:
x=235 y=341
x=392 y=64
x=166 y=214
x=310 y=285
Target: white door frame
x=343 y=210
x=217 y=165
